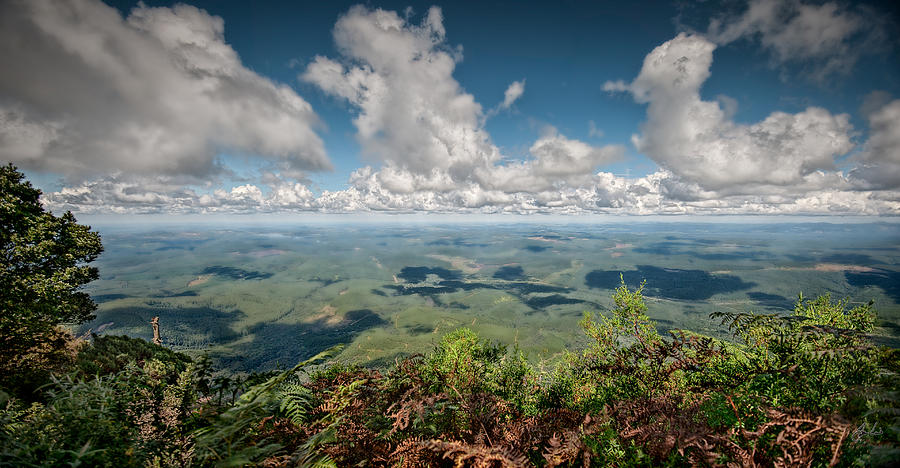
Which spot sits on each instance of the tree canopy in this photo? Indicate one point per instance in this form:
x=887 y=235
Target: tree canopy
x=43 y=265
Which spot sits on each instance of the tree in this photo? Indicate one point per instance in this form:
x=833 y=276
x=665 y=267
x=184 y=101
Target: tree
x=43 y=265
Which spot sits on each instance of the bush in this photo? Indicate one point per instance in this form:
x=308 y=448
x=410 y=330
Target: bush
x=137 y=416
x=111 y=354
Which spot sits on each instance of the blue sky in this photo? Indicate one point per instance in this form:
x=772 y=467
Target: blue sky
x=795 y=107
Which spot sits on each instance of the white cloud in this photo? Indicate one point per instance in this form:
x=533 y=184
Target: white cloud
x=658 y=193
x=873 y=102
x=143 y=195
x=416 y=118
x=697 y=140
x=617 y=86
x=556 y=155
x=412 y=113
x=825 y=36
x=85 y=91
x=434 y=153
x=512 y=94
x=879 y=161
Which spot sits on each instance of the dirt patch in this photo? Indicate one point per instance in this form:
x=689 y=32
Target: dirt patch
x=327 y=314
x=839 y=267
x=266 y=253
x=833 y=267
x=545 y=239
x=200 y=280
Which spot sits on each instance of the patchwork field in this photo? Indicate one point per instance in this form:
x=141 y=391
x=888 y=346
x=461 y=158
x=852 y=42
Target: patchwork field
x=261 y=297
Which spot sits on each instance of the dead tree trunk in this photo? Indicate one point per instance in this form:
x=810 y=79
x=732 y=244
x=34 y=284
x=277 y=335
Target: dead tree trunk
x=155 y=323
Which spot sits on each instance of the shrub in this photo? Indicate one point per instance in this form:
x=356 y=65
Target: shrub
x=133 y=417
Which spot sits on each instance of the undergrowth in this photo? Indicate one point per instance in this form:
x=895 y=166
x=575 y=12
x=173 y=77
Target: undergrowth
x=806 y=389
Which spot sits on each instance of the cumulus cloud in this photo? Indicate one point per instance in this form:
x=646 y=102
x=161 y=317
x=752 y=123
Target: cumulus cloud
x=434 y=154
x=415 y=117
x=85 y=90
x=873 y=102
x=557 y=155
x=825 y=36
x=879 y=161
x=412 y=113
x=697 y=140
x=512 y=94
x=161 y=194
x=556 y=161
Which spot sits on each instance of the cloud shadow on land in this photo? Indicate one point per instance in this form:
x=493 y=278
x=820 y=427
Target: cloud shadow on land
x=888 y=281
x=688 y=247
x=451 y=282
x=419 y=274
x=540 y=302
x=168 y=294
x=510 y=273
x=451 y=286
x=669 y=282
x=661 y=248
x=234 y=273
x=99 y=298
x=456 y=242
x=283 y=345
x=771 y=300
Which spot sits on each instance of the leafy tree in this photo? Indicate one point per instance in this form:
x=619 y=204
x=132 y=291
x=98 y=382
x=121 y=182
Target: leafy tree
x=43 y=265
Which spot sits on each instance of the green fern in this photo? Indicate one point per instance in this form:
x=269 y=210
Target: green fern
x=296 y=402
x=231 y=439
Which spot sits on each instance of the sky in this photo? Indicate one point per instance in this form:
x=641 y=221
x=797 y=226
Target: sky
x=736 y=107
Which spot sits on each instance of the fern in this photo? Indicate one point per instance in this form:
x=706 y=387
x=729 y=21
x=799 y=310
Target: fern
x=296 y=402
x=230 y=440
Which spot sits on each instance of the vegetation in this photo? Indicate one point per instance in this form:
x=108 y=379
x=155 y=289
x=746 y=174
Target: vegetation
x=797 y=390
x=806 y=389
x=43 y=265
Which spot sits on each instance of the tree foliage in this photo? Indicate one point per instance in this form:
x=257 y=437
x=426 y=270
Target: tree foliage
x=43 y=265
